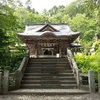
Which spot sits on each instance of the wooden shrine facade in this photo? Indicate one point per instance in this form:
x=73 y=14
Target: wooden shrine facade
x=48 y=40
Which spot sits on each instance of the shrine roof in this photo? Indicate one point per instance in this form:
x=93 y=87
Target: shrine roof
x=43 y=29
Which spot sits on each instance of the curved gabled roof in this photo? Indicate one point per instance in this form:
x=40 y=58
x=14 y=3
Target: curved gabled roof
x=42 y=30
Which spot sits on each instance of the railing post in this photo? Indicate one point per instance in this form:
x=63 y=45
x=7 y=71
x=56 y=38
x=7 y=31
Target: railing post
x=0 y=82
x=6 y=81
x=99 y=81
x=18 y=76
x=91 y=81
x=78 y=78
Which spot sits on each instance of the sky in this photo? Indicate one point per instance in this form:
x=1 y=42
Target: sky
x=40 y=5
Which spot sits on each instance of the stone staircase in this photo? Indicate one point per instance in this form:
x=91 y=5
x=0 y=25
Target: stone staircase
x=48 y=73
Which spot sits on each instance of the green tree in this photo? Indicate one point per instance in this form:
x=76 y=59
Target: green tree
x=56 y=18
x=85 y=26
x=8 y=25
x=93 y=10
x=54 y=10
x=76 y=7
x=65 y=19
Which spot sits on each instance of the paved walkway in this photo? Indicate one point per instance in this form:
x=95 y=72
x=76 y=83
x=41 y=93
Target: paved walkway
x=52 y=97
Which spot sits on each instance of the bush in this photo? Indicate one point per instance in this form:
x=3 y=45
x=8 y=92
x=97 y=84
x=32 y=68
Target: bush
x=89 y=62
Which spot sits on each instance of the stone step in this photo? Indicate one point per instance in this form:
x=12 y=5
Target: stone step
x=48 y=59
x=48 y=62
x=51 y=61
x=48 y=65
x=48 y=71
x=48 y=74
x=47 y=68
x=50 y=77
x=48 y=92
x=49 y=86
x=48 y=82
x=47 y=78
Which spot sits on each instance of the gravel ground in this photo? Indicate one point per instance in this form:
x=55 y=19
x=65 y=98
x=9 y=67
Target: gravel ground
x=51 y=97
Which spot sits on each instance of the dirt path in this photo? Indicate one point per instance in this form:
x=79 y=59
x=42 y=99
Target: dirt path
x=52 y=97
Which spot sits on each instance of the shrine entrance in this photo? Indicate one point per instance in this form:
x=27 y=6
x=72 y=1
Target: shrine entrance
x=48 y=52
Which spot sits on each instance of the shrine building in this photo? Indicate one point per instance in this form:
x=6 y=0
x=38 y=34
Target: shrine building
x=48 y=40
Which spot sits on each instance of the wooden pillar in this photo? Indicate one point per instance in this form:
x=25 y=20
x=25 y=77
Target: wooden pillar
x=59 y=49
x=32 y=50
x=99 y=82
x=36 y=48
x=6 y=81
x=91 y=81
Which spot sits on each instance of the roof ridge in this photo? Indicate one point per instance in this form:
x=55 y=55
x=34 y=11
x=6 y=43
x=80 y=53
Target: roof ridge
x=48 y=24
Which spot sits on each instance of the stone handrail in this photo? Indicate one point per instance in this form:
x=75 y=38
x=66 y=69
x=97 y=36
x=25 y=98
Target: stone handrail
x=21 y=67
x=83 y=75
x=20 y=71
x=74 y=66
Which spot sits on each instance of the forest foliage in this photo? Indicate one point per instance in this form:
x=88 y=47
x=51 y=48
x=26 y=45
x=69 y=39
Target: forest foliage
x=81 y=15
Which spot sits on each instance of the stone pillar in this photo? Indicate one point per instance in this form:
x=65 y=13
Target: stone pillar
x=99 y=81
x=18 y=77
x=0 y=82
x=91 y=81
x=78 y=78
x=6 y=81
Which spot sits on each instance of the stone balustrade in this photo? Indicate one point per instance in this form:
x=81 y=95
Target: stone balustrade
x=87 y=81
x=20 y=71
x=74 y=66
